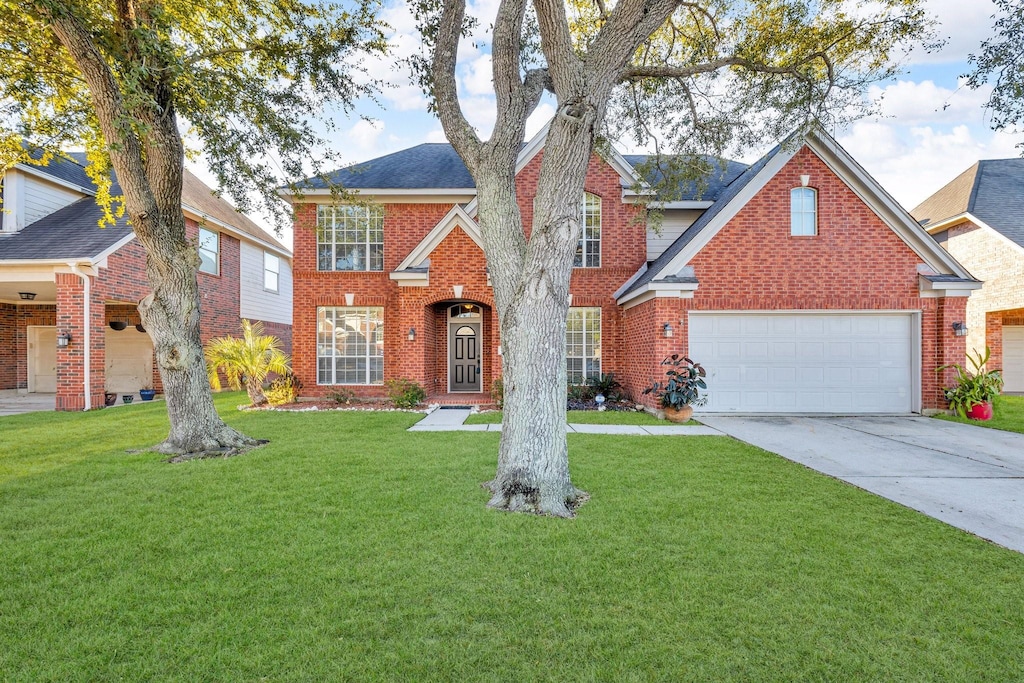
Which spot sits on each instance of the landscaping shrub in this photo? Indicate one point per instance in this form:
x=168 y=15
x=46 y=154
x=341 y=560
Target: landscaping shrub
x=284 y=389
x=405 y=393
x=498 y=392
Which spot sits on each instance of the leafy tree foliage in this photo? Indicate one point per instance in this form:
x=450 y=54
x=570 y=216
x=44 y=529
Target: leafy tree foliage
x=694 y=78
x=246 y=76
x=1002 y=56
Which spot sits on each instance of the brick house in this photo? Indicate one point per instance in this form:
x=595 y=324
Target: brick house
x=979 y=219
x=798 y=282
x=69 y=289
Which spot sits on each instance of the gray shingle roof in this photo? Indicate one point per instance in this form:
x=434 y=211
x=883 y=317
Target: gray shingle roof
x=992 y=190
x=70 y=168
x=725 y=195
x=426 y=166
x=69 y=233
x=724 y=173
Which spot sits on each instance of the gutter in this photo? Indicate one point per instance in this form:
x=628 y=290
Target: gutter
x=86 y=328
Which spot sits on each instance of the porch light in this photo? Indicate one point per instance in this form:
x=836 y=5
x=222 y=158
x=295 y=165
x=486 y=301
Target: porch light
x=27 y=296
x=63 y=340
x=412 y=334
x=667 y=329
x=960 y=329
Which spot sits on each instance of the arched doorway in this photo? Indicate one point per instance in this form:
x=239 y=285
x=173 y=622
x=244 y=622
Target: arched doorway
x=465 y=327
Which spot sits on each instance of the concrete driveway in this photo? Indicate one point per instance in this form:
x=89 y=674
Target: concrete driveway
x=13 y=402
x=967 y=476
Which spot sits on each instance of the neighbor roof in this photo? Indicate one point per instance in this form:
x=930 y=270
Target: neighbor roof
x=723 y=173
x=991 y=190
x=72 y=232
x=198 y=195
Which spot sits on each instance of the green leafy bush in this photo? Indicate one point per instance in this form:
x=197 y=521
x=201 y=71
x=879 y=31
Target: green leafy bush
x=682 y=387
x=580 y=392
x=343 y=397
x=498 y=392
x=284 y=389
x=606 y=384
x=405 y=393
x=973 y=386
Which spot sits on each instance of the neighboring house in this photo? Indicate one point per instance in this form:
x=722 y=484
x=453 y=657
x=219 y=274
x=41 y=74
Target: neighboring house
x=979 y=218
x=58 y=269
x=797 y=281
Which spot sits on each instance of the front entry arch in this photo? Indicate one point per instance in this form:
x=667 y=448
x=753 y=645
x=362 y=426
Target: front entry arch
x=464 y=356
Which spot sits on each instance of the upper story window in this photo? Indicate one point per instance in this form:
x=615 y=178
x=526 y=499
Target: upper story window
x=803 y=205
x=350 y=237
x=271 y=272
x=209 y=251
x=588 y=251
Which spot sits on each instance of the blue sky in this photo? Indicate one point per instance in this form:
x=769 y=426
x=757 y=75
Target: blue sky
x=928 y=131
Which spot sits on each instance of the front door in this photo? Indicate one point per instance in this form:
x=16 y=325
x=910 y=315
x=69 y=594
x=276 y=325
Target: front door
x=42 y=359
x=464 y=357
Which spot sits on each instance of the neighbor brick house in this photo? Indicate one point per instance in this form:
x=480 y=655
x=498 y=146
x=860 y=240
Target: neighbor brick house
x=979 y=218
x=797 y=281
x=69 y=289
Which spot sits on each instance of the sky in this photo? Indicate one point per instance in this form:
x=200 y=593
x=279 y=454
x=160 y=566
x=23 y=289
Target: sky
x=928 y=129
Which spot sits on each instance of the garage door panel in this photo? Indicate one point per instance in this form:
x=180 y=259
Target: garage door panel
x=805 y=362
x=1013 y=358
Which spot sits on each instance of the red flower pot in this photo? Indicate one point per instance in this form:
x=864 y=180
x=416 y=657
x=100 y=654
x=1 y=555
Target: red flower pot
x=980 y=411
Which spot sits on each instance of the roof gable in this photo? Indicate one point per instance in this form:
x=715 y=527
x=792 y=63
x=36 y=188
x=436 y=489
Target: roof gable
x=419 y=257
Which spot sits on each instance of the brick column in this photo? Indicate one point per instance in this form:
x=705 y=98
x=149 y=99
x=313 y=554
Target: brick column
x=949 y=348
x=71 y=359
x=994 y=339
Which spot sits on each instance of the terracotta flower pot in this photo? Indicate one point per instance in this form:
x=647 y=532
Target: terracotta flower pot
x=980 y=411
x=679 y=414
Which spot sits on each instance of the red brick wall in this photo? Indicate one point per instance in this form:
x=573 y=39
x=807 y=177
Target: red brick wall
x=855 y=262
x=8 y=358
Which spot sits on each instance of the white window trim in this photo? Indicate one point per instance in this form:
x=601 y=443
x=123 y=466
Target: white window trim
x=215 y=252
x=321 y=210
x=598 y=347
x=583 y=235
x=799 y=191
x=365 y=310
x=277 y=273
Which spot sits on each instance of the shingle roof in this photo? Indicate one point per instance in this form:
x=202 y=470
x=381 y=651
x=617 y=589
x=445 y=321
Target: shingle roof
x=70 y=168
x=992 y=190
x=723 y=174
x=198 y=195
x=426 y=166
x=69 y=233
x=725 y=195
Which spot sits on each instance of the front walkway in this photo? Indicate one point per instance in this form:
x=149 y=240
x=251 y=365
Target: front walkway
x=15 y=402
x=452 y=419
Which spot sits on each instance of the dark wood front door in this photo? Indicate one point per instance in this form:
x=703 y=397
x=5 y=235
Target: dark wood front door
x=464 y=357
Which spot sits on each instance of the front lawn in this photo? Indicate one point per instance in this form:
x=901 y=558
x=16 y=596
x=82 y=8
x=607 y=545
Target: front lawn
x=351 y=549
x=586 y=417
x=1007 y=414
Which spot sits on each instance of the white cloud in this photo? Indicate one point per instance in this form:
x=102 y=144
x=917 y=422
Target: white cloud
x=476 y=78
x=963 y=23
x=544 y=112
x=914 y=103
x=360 y=140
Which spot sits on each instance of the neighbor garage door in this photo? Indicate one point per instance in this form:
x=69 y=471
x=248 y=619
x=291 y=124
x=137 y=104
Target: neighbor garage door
x=811 y=362
x=1013 y=358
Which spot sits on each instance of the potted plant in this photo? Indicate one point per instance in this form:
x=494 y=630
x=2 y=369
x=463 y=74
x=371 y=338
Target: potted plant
x=975 y=388
x=681 y=390
x=109 y=398
x=146 y=393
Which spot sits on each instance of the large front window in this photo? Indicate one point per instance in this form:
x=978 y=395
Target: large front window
x=583 y=344
x=350 y=237
x=588 y=251
x=350 y=345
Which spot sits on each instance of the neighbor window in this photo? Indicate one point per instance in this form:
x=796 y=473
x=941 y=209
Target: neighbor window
x=209 y=251
x=588 y=251
x=271 y=271
x=350 y=237
x=803 y=205
x=583 y=344
x=350 y=345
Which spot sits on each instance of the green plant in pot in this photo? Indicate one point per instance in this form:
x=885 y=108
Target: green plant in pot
x=975 y=388
x=680 y=390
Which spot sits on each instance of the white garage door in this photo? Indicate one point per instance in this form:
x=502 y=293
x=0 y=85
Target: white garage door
x=1013 y=358
x=806 y=362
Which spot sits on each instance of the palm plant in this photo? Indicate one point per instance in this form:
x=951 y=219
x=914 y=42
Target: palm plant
x=247 y=360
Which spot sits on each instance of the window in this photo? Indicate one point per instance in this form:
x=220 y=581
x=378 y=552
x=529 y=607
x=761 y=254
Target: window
x=350 y=237
x=209 y=251
x=271 y=271
x=588 y=251
x=583 y=344
x=803 y=203
x=350 y=346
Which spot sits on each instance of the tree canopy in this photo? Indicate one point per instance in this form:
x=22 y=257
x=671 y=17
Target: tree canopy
x=1002 y=57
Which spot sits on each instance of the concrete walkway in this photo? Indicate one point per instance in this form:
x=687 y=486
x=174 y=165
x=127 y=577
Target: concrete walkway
x=967 y=476
x=14 y=402
x=452 y=419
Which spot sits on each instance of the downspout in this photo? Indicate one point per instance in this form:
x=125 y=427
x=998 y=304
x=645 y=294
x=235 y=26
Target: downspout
x=86 y=326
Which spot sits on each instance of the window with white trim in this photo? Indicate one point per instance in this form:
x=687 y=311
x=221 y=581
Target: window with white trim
x=350 y=345
x=349 y=237
x=588 y=251
x=209 y=251
x=271 y=272
x=803 y=211
x=583 y=344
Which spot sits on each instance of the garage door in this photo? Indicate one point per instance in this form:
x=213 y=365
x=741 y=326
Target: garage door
x=806 y=362
x=1013 y=358
x=129 y=360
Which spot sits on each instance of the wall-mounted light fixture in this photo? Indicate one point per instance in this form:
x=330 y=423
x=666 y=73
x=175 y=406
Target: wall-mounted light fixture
x=960 y=329
x=412 y=334
x=63 y=340
x=667 y=329
x=27 y=296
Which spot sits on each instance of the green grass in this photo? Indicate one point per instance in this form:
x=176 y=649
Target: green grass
x=588 y=417
x=1007 y=414
x=351 y=549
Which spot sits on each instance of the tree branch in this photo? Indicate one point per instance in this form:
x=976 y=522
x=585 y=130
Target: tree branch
x=446 y=47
